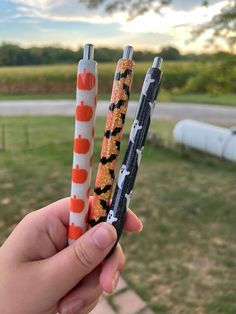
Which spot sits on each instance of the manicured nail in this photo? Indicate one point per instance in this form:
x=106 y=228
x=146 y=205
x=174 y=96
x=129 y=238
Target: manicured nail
x=115 y=280
x=104 y=236
x=141 y=226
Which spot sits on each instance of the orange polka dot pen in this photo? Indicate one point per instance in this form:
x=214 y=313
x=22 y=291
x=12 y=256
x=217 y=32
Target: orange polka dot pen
x=86 y=98
x=112 y=138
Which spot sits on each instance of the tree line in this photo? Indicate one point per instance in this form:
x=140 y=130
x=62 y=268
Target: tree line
x=14 y=55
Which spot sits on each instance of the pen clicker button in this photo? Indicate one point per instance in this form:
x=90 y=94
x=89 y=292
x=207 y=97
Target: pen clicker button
x=157 y=62
x=128 y=52
x=88 y=52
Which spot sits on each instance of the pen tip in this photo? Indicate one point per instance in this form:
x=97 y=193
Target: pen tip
x=88 y=52
x=128 y=52
x=157 y=62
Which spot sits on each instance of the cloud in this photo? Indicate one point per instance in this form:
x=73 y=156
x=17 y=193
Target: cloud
x=169 y=20
x=151 y=30
x=174 y=23
x=65 y=11
x=73 y=11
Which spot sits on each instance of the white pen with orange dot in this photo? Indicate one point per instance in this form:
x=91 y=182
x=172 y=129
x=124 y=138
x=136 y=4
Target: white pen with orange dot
x=86 y=99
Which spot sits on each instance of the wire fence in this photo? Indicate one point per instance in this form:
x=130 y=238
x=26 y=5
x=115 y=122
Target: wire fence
x=23 y=136
x=26 y=136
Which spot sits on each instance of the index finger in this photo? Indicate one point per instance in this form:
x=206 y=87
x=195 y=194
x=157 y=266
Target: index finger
x=60 y=209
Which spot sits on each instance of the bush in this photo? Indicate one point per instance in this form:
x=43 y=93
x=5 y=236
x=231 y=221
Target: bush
x=213 y=79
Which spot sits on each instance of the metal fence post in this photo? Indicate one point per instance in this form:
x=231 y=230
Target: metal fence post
x=3 y=137
x=27 y=135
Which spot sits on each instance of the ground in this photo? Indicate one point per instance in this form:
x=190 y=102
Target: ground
x=184 y=260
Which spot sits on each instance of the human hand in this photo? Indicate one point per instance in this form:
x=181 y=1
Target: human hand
x=40 y=274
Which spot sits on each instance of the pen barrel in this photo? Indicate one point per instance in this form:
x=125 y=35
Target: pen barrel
x=132 y=158
x=86 y=99
x=111 y=143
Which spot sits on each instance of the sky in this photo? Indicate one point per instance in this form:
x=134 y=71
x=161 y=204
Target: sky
x=69 y=23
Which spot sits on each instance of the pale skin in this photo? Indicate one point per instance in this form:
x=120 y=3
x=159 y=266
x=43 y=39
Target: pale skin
x=40 y=274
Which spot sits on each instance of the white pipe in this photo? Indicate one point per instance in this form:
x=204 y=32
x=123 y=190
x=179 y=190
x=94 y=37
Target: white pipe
x=208 y=138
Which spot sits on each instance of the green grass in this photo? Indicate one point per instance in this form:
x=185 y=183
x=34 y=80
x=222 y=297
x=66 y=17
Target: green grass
x=16 y=97
x=55 y=97
x=184 y=260
x=223 y=100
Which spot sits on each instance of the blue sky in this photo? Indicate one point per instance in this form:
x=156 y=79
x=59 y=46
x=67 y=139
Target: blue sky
x=70 y=24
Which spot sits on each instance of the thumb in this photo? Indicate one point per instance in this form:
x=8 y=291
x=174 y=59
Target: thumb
x=65 y=269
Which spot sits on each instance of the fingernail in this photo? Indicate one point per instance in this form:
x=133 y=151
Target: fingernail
x=73 y=307
x=141 y=226
x=115 y=280
x=104 y=236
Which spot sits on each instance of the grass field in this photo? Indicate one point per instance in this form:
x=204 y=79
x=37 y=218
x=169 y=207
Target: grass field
x=223 y=100
x=182 y=82
x=184 y=260
x=61 y=78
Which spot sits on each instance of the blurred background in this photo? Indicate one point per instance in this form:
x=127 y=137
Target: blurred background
x=184 y=260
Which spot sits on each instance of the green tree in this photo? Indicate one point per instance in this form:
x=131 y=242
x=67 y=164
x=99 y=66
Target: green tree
x=13 y=55
x=170 y=53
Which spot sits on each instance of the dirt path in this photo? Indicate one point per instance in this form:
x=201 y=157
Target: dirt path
x=164 y=111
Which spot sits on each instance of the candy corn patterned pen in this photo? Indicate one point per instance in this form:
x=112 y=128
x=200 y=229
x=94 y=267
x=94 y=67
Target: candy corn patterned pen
x=112 y=138
x=86 y=98
x=131 y=162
